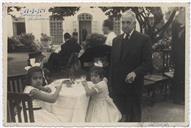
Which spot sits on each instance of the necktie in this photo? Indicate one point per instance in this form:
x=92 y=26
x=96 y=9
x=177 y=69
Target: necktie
x=126 y=36
x=123 y=43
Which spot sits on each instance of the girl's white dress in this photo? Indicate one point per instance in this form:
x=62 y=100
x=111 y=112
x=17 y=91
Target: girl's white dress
x=101 y=106
x=41 y=115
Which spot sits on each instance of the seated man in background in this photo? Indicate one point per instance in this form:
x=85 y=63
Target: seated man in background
x=70 y=46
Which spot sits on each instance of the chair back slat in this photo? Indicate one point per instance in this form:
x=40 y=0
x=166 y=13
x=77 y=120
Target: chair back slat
x=16 y=83
x=31 y=114
x=21 y=83
x=18 y=110
x=11 y=110
x=167 y=63
x=25 y=111
x=21 y=108
x=10 y=86
x=8 y=112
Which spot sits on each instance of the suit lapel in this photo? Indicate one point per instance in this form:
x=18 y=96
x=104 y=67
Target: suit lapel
x=127 y=43
x=118 y=47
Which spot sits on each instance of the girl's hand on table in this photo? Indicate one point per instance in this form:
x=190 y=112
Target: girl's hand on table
x=58 y=87
x=47 y=89
x=84 y=83
x=67 y=82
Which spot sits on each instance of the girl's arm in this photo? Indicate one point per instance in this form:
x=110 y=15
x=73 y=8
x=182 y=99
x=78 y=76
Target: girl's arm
x=89 y=91
x=46 y=89
x=46 y=97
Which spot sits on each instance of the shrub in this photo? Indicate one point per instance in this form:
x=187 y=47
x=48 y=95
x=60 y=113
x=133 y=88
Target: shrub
x=22 y=43
x=45 y=38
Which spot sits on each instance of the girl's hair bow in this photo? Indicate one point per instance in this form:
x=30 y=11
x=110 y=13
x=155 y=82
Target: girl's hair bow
x=98 y=64
x=33 y=64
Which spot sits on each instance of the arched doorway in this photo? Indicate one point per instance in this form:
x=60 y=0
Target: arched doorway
x=85 y=23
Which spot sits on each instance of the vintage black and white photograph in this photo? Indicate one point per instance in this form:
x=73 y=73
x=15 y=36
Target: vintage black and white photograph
x=92 y=63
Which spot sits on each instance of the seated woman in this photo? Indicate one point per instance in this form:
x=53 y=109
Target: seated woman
x=57 y=61
x=40 y=94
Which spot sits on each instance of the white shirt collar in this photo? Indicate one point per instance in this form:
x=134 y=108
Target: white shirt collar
x=111 y=35
x=124 y=35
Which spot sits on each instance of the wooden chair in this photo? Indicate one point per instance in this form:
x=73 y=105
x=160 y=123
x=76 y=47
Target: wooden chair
x=16 y=83
x=19 y=107
x=168 y=71
x=167 y=63
x=161 y=81
x=149 y=87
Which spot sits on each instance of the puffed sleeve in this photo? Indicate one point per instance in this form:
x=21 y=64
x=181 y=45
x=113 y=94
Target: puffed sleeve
x=100 y=87
x=52 y=88
x=28 y=89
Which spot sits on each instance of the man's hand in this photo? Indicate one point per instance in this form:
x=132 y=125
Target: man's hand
x=130 y=78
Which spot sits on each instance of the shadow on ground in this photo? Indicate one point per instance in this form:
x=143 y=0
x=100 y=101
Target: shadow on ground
x=163 y=112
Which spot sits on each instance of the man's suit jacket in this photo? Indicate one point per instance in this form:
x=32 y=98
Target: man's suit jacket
x=178 y=51
x=137 y=57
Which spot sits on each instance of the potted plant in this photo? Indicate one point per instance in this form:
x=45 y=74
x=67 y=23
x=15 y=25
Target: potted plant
x=45 y=41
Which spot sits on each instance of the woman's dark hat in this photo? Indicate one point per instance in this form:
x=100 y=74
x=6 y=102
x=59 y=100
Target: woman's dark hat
x=98 y=51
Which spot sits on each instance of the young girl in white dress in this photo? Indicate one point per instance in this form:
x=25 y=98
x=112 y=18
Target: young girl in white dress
x=40 y=94
x=101 y=106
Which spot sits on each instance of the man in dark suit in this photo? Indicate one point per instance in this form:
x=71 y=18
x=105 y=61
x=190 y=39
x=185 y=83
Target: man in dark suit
x=178 y=57
x=131 y=58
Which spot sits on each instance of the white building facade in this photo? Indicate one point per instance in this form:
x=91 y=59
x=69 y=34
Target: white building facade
x=86 y=21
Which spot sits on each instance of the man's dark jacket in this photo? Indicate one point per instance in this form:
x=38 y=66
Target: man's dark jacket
x=130 y=55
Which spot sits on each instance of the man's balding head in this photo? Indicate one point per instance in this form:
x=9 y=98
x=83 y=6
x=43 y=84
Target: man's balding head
x=128 y=21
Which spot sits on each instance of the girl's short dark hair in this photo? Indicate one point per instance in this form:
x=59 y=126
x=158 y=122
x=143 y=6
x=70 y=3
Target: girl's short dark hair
x=30 y=73
x=98 y=71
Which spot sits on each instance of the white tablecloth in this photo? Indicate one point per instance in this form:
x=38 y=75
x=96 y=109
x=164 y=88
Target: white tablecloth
x=71 y=105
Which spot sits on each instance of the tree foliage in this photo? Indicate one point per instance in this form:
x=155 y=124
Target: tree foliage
x=63 y=11
x=142 y=14
x=13 y=8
